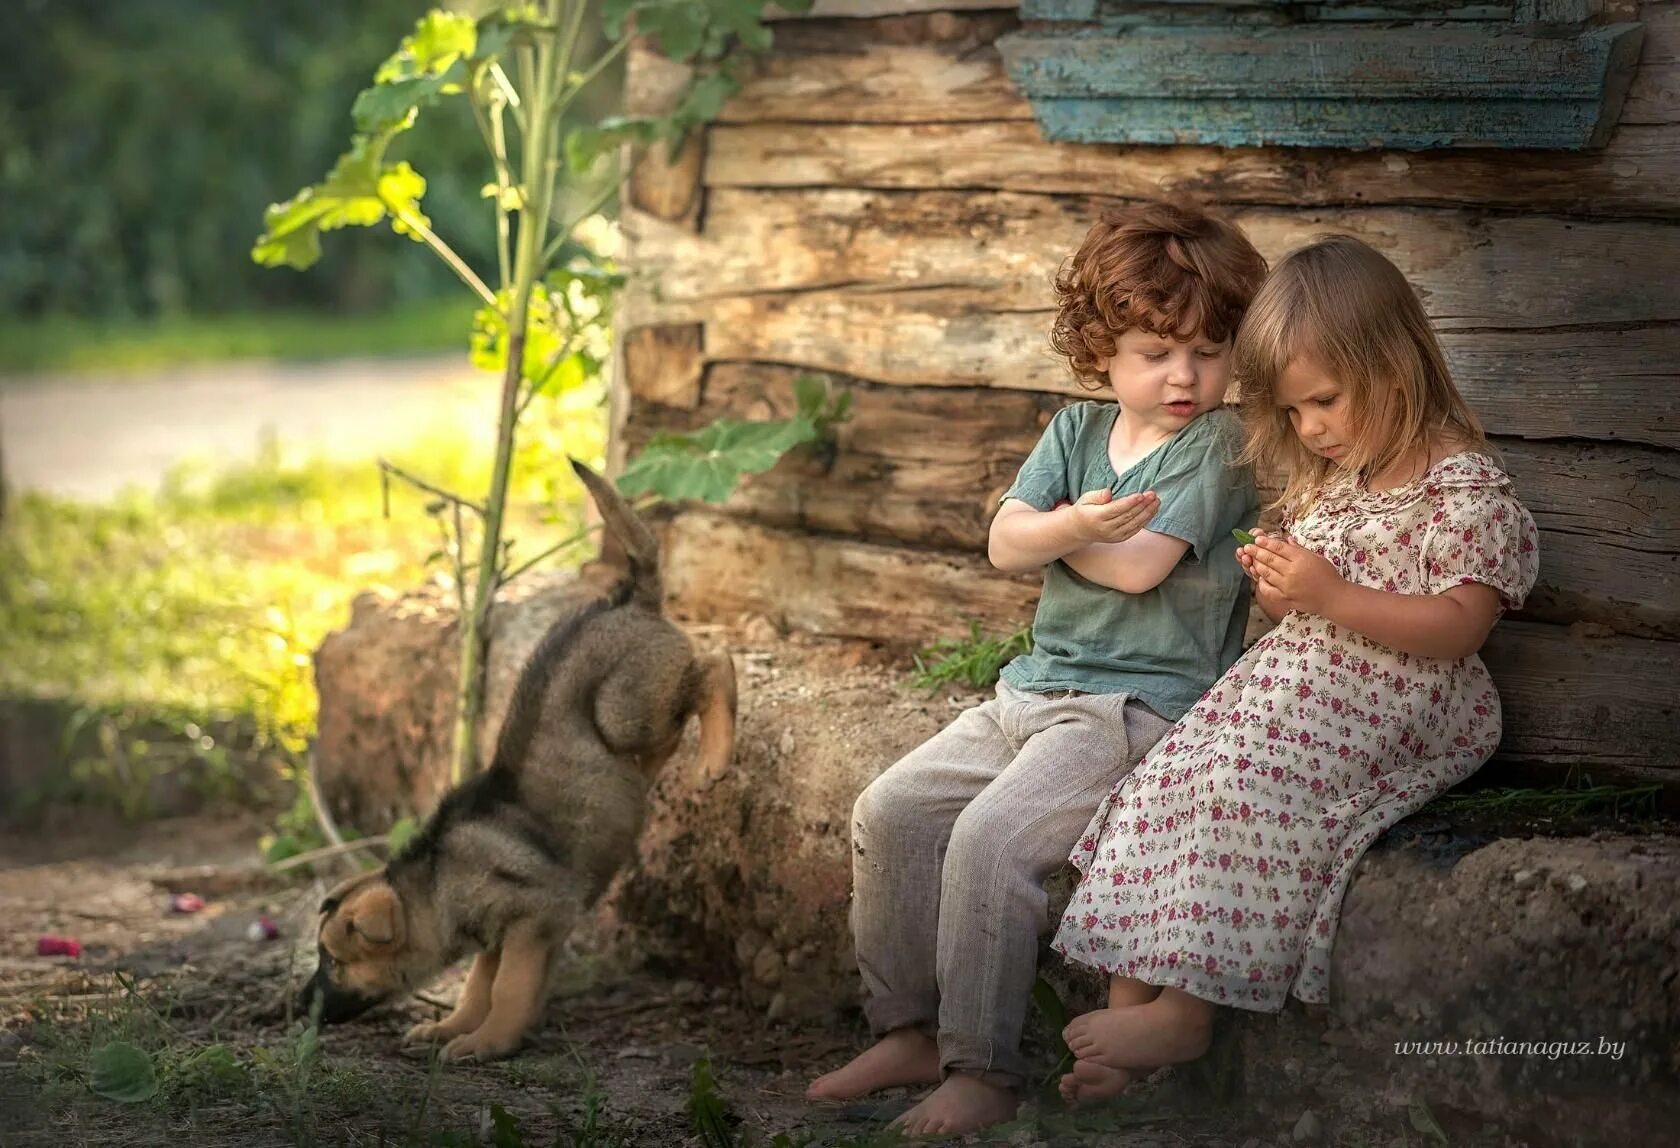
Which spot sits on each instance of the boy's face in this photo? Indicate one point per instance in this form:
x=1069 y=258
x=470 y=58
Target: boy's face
x=1166 y=382
x=1317 y=407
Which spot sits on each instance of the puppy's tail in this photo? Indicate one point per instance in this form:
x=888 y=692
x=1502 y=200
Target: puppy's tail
x=640 y=548
x=717 y=715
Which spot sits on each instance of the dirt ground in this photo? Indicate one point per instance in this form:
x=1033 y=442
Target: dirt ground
x=614 y=1066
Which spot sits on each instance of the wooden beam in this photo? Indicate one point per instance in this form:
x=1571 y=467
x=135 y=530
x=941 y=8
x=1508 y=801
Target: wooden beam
x=1621 y=385
x=1517 y=272
x=1604 y=703
x=663 y=365
x=925 y=467
x=1635 y=175
x=1654 y=97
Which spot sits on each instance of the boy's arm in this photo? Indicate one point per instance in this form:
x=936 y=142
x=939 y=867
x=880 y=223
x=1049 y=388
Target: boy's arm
x=1138 y=564
x=1023 y=538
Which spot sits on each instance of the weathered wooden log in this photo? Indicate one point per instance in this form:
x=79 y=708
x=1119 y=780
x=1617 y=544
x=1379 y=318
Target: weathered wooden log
x=925 y=467
x=1526 y=271
x=1611 y=383
x=1634 y=175
x=1610 y=703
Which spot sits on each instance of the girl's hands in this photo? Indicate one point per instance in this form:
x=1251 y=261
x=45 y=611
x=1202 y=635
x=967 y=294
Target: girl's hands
x=1098 y=518
x=1288 y=576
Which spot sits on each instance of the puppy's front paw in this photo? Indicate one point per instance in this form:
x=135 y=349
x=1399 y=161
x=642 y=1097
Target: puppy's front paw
x=480 y=1045
x=429 y=1033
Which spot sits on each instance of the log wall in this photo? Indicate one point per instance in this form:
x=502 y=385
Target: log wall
x=877 y=203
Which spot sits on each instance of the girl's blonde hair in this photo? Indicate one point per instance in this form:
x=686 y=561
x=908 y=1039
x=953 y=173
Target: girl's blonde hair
x=1342 y=305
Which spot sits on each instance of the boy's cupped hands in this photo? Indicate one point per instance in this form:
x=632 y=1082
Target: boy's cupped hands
x=1101 y=518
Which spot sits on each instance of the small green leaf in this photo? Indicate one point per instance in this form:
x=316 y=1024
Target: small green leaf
x=586 y=143
x=122 y=1072
x=402 y=831
x=308 y=1045
x=1243 y=536
x=810 y=393
x=1424 y=1120
x=679 y=27
x=507 y=1134
x=703 y=100
x=438 y=42
x=391 y=106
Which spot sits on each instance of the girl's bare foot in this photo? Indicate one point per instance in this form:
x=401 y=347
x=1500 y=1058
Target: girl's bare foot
x=1171 y=1029
x=1090 y=1081
x=903 y=1056
x=963 y=1104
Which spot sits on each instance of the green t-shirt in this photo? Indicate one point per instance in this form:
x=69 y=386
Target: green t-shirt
x=1167 y=645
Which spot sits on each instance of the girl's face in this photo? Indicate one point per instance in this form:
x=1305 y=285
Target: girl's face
x=1318 y=408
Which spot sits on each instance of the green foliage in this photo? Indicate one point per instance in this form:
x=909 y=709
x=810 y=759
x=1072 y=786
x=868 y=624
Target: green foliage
x=568 y=326
x=119 y=346
x=138 y=141
x=1556 y=801
x=974 y=661
x=359 y=192
x=123 y=1073
x=1423 y=1120
x=708 y=464
x=182 y=623
x=707 y=1114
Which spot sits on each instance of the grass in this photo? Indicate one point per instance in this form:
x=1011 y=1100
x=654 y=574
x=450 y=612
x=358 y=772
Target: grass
x=974 y=661
x=1557 y=801
x=68 y=344
x=180 y=624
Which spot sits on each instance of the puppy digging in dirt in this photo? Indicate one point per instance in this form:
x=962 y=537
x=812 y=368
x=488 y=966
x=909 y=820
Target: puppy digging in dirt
x=511 y=859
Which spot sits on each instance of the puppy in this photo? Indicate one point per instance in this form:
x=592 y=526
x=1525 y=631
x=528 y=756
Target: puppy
x=512 y=858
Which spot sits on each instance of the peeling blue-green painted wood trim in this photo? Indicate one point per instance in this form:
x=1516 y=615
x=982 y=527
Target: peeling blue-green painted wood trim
x=1408 y=125
x=1426 y=62
x=1408 y=87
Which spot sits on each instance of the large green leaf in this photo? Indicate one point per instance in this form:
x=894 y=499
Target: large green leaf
x=439 y=41
x=391 y=106
x=359 y=192
x=122 y=1072
x=709 y=463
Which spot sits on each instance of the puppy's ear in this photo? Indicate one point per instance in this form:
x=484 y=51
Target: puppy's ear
x=335 y=897
x=376 y=916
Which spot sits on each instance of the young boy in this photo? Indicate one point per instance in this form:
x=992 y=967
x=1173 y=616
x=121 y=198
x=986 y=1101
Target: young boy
x=1128 y=507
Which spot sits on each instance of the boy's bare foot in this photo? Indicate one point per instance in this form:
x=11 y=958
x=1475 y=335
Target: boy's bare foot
x=1172 y=1029
x=963 y=1104
x=1092 y=1081
x=903 y=1056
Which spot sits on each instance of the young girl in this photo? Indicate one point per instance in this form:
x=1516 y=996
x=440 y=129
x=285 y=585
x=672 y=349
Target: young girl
x=1213 y=873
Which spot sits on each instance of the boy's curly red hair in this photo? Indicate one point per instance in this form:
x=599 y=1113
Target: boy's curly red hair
x=1170 y=269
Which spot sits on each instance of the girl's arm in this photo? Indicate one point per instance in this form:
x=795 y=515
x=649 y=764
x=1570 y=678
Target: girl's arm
x=1452 y=624
x=1138 y=564
x=1023 y=539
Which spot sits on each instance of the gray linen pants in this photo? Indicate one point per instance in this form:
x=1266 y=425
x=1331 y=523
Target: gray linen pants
x=951 y=847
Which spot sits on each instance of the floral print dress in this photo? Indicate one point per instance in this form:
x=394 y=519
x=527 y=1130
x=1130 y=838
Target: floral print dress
x=1218 y=865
